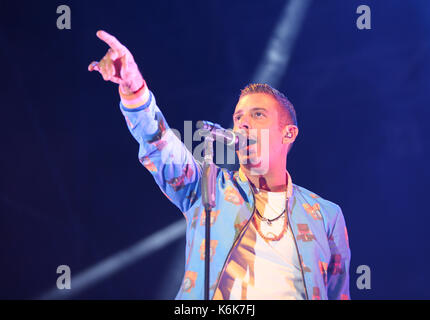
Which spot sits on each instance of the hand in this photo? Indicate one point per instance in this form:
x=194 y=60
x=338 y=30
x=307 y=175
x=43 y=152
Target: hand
x=118 y=65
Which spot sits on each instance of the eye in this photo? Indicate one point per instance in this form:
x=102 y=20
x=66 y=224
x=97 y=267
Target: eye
x=237 y=118
x=259 y=115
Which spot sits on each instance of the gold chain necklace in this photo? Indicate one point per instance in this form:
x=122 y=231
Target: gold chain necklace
x=269 y=222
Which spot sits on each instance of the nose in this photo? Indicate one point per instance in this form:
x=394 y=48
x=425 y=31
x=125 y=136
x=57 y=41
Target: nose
x=243 y=123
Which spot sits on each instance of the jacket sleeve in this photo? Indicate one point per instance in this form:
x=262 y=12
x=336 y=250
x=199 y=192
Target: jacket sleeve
x=173 y=167
x=338 y=268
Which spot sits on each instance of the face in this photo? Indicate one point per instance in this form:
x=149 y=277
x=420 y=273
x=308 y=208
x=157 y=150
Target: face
x=257 y=115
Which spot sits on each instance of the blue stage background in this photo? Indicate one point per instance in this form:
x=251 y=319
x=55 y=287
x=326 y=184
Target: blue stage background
x=74 y=193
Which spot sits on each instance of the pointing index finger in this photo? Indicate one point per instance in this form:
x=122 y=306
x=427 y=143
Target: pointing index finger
x=111 y=41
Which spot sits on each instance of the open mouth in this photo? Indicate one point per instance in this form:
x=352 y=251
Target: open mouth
x=250 y=149
x=249 y=155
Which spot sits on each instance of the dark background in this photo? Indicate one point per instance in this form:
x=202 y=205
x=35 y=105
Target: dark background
x=73 y=192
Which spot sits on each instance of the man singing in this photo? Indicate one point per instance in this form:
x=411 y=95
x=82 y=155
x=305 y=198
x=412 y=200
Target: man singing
x=270 y=239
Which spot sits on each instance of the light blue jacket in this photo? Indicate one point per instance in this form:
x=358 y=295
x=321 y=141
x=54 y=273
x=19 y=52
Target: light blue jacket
x=318 y=225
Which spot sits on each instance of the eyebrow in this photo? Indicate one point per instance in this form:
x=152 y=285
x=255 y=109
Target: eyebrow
x=253 y=109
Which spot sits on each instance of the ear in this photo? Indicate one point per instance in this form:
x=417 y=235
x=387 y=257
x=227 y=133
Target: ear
x=289 y=134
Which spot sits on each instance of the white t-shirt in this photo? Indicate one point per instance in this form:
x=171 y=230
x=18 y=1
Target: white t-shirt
x=260 y=269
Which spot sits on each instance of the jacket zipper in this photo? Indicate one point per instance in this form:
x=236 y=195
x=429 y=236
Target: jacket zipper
x=234 y=244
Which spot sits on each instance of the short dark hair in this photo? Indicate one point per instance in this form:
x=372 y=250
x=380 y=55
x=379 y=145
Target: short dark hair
x=288 y=114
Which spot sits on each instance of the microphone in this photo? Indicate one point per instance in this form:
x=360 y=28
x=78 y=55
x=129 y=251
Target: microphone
x=232 y=139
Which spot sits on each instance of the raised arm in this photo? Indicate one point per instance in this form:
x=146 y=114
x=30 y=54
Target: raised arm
x=160 y=151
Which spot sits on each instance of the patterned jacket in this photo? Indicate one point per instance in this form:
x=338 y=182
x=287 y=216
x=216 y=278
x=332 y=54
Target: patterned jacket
x=318 y=225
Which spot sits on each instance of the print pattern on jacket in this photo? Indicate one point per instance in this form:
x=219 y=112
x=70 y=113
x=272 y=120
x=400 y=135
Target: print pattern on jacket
x=318 y=224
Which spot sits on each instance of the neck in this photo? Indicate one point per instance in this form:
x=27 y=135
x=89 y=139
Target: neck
x=274 y=180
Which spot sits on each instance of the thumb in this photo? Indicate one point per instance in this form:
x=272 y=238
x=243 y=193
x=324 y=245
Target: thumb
x=94 y=66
